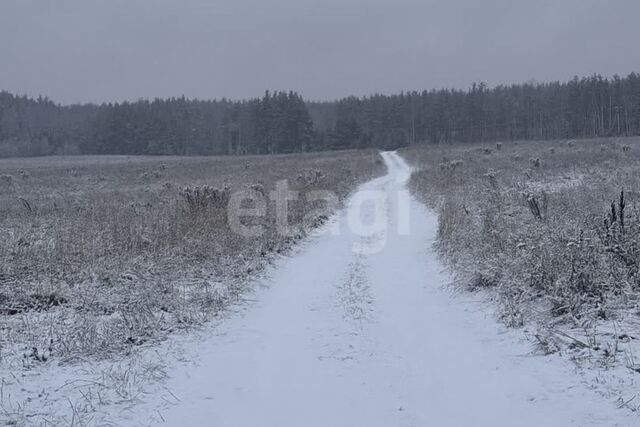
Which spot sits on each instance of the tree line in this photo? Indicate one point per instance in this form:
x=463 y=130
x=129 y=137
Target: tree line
x=282 y=122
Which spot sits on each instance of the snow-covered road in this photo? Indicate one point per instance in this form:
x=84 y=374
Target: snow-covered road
x=357 y=329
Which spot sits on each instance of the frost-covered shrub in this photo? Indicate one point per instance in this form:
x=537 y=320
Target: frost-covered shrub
x=199 y=198
x=6 y=180
x=310 y=177
x=258 y=188
x=151 y=174
x=452 y=165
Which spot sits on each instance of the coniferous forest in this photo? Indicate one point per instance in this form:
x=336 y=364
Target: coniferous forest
x=282 y=122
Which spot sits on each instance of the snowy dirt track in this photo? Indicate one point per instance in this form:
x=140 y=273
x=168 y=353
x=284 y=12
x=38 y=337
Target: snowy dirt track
x=357 y=329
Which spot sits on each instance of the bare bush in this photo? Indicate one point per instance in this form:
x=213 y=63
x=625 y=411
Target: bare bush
x=151 y=174
x=6 y=181
x=538 y=210
x=199 y=198
x=258 y=188
x=310 y=177
x=452 y=165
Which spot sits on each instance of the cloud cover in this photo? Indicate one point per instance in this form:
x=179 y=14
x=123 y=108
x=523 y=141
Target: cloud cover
x=111 y=50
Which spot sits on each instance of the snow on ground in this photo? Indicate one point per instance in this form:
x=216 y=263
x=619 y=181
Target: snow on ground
x=357 y=329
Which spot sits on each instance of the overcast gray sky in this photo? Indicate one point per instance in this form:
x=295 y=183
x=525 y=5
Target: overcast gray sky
x=108 y=50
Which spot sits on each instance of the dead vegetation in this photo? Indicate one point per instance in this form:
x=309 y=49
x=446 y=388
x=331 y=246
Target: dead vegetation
x=101 y=254
x=556 y=239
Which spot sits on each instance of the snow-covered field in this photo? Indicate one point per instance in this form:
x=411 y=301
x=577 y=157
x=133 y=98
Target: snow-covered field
x=357 y=328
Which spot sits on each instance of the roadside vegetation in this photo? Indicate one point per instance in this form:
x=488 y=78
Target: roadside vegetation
x=102 y=254
x=551 y=230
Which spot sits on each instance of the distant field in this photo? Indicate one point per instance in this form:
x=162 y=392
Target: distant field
x=543 y=224
x=101 y=253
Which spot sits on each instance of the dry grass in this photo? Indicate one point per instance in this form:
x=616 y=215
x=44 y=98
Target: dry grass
x=542 y=224
x=541 y=229
x=100 y=254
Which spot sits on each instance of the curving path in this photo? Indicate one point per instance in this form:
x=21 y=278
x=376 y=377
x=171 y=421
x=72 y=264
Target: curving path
x=358 y=330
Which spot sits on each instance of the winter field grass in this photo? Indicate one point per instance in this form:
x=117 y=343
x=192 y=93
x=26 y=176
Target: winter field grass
x=551 y=231
x=100 y=255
